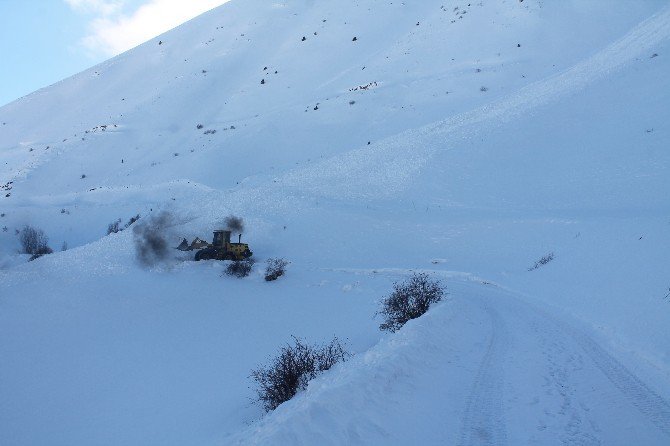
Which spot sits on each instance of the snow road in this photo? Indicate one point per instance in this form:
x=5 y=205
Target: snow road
x=514 y=373
x=566 y=388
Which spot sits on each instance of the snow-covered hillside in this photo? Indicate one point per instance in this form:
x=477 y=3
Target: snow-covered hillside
x=362 y=141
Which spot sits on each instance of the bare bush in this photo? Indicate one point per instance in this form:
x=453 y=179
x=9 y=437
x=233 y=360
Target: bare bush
x=113 y=227
x=34 y=242
x=543 y=261
x=131 y=221
x=292 y=370
x=409 y=300
x=275 y=269
x=240 y=268
x=40 y=252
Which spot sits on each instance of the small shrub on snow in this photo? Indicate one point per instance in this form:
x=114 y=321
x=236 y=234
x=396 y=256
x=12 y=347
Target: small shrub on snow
x=131 y=221
x=409 y=300
x=34 y=242
x=275 y=269
x=295 y=366
x=240 y=268
x=113 y=228
x=40 y=252
x=543 y=261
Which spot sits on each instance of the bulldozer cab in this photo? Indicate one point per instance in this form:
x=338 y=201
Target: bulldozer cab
x=221 y=239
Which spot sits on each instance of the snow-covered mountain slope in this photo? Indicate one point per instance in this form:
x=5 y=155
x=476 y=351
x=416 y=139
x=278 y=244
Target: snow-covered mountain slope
x=151 y=99
x=468 y=140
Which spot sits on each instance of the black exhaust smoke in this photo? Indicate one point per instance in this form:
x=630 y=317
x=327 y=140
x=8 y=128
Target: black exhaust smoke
x=234 y=224
x=151 y=246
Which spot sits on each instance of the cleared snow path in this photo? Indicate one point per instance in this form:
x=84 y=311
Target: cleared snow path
x=561 y=386
x=483 y=422
x=653 y=407
x=483 y=368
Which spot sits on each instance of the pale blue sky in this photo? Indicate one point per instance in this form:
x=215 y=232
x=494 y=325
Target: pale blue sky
x=44 y=41
x=38 y=45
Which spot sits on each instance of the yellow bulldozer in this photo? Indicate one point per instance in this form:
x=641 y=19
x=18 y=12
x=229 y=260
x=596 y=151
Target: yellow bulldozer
x=221 y=247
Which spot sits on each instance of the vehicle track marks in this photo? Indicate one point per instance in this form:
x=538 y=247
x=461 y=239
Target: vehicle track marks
x=483 y=422
x=565 y=361
x=653 y=406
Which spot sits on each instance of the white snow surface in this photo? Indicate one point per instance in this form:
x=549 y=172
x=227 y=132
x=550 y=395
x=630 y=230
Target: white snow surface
x=464 y=140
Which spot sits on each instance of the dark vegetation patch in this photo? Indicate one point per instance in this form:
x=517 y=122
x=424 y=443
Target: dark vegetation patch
x=34 y=242
x=543 y=261
x=290 y=371
x=240 y=268
x=409 y=300
x=275 y=268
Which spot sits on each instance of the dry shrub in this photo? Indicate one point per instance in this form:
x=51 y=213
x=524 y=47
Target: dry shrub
x=275 y=269
x=293 y=368
x=240 y=268
x=409 y=300
x=34 y=242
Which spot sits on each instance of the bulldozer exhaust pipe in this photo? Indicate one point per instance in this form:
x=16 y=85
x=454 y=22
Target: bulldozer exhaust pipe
x=239 y=238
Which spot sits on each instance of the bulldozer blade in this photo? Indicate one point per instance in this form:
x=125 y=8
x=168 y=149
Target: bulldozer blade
x=183 y=246
x=198 y=243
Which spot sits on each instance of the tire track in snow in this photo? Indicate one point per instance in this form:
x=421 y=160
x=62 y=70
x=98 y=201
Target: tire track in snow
x=483 y=422
x=554 y=332
x=566 y=412
x=653 y=406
